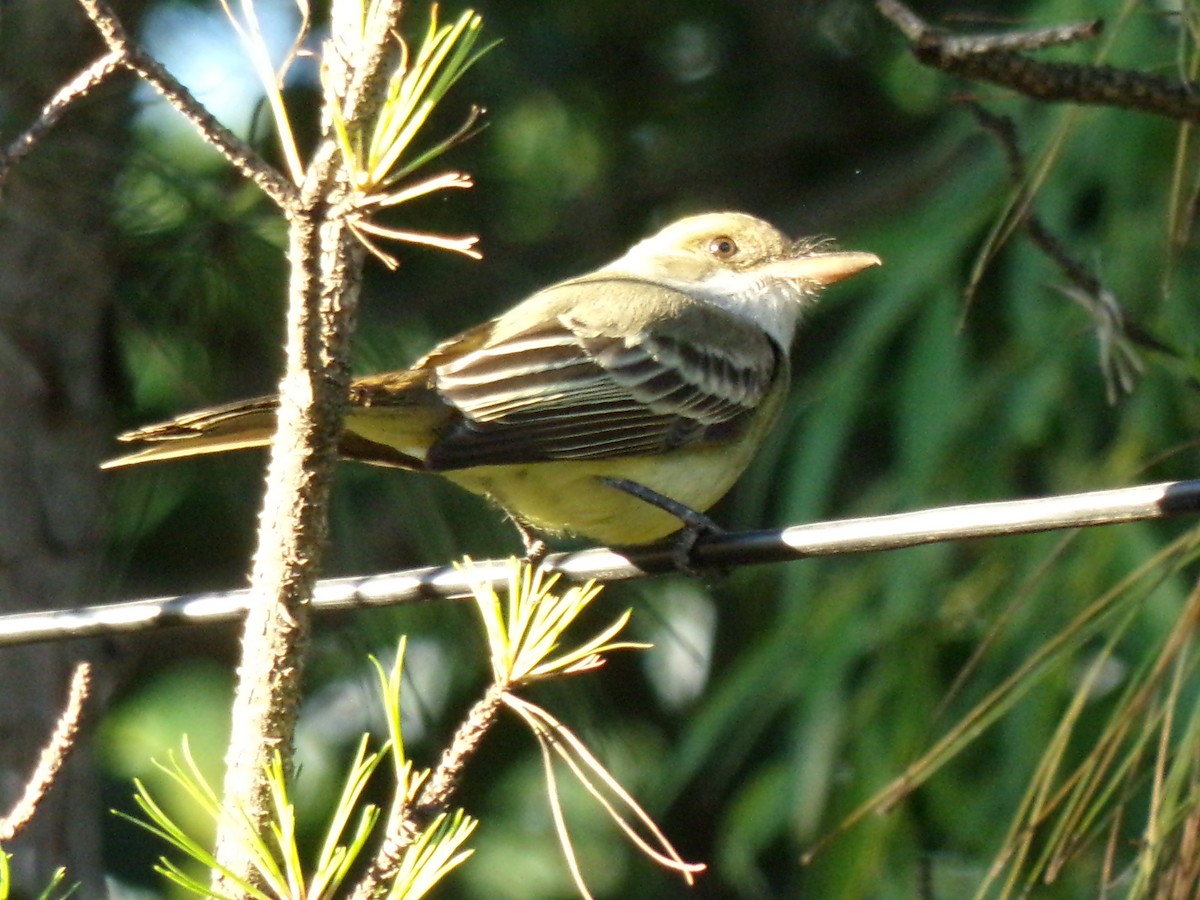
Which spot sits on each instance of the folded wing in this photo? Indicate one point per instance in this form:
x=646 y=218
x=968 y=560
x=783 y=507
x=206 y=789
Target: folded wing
x=572 y=389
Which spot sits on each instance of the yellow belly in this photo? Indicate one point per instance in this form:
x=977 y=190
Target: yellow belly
x=568 y=497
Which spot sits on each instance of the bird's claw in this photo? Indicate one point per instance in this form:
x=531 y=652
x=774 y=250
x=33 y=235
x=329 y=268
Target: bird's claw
x=695 y=524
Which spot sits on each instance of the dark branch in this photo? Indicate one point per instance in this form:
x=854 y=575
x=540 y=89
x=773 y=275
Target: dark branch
x=996 y=59
x=1116 y=334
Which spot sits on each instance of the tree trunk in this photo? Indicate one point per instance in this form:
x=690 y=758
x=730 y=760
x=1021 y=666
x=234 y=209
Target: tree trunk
x=57 y=268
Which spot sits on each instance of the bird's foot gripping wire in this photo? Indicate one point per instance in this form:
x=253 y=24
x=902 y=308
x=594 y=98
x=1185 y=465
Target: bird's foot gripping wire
x=536 y=548
x=695 y=524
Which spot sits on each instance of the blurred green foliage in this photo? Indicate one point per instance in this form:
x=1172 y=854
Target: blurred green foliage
x=819 y=681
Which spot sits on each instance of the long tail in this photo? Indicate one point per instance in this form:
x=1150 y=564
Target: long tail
x=236 y=426
x=391 y=420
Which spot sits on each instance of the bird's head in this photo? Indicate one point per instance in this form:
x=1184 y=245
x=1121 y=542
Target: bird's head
x=743 y=264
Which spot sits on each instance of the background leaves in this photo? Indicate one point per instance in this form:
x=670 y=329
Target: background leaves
x=827 y=677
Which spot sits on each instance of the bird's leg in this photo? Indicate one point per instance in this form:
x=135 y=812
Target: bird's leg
x=695 y=524
x=685 y=514
x=536 y=548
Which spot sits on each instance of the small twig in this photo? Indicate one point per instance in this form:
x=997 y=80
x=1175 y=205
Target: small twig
x=435 y=795
x=407 y=821
x=864 y=535
x=918 y=30
x=994 y=58
x=1115 y=333
x=54 y=754
x=79 y=86
x=1006 y=133
x=240 y=154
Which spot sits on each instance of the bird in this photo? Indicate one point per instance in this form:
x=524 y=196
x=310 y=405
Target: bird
x=616 y=406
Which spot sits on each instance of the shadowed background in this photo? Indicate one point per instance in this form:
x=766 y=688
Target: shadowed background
x=777 y=698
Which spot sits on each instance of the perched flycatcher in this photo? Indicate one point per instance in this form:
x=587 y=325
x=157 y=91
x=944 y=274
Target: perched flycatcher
x=599 y=403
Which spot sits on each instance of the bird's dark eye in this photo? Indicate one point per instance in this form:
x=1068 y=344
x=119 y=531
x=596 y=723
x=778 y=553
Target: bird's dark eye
x=723 y=247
